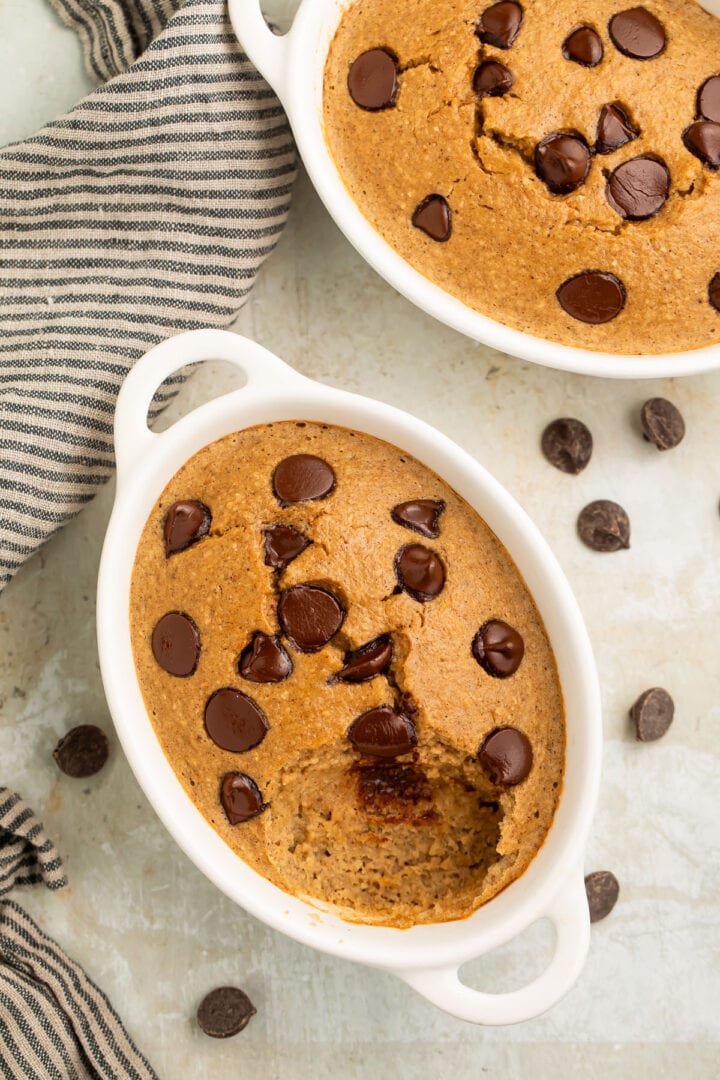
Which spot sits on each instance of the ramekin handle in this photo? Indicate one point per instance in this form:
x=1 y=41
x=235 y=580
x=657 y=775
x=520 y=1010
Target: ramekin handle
x=133 y=437
x=570 y=915
x=266 y=50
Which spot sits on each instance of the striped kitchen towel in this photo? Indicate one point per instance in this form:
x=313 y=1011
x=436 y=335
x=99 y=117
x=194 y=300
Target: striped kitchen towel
x=55 y=1024
x=146 y=210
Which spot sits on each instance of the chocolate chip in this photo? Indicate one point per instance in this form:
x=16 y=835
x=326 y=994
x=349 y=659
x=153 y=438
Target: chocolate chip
x=176 y=644
x=185 y=523
x=602 y=892
x=652 y=714
x=224 y=1012
x=506 y=756
x=234 y=721
x=433 y=216
x=638 y=188
x=492 y=79
x=371 y=659
x=419 y=571
x=498 y=648
x=567 y=444
x=662 y=423
x=240 y=797
x=604 y=526
x=708 y=99
x=593 y=296
x=82 y=751
x=637 y=33
x=714 y=292
x=372 y=80
x=382 y=732
x=500 y=24
x=302 y=478
x=265 y=660
x=310 y=616
x=703 y=140
x=614 y=129
x=562 y=161
x=420 y=515
x=583 y=46
x=283 y=543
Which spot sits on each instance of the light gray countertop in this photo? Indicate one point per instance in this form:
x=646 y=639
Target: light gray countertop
x=157 y=935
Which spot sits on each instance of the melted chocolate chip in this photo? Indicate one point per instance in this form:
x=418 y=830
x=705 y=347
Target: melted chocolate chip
x=703 y=140
x=638 y=188
x=562 y=161
x=602 y=891
x=395 y=793
x=506 y=756
x=381 y=732
x=310 y=616
x=185 y=523
x=714 y=291
x=420 y=572
x=500 y=24
x=614 y=129
x=82 y=751
x=583 y=46
x=604 y=526
x=592 y=297
x=176 y=644
x=662 y=423
x=708 y=99
x=433 y=216
x=372 y=80
x=365 y=663
x=567 y=444
x=283 y=543
x=637 y=33
x=652 y=714
x=265 y=660
x=240 y=797
x=498 y=648
x=234 y=721
x=492 y=79
x=420 y=515
x=302 y=478
x=225 y=1012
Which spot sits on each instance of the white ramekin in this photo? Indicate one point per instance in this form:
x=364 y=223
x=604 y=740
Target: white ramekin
x=426 y=957
x=293 y=64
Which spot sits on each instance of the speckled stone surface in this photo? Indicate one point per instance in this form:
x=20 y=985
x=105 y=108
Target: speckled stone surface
x=149 y=927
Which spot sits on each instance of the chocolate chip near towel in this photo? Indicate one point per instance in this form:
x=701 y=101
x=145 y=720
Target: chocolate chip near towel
x=225 y=1012
x=82 y=752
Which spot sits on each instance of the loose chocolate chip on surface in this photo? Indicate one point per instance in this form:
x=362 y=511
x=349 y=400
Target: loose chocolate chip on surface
x=185 y=523
x=419 y=571
x=240 y=797
x=364 y=663
x=500 y=24
x=614 y=129
x=637 y=33
x=593 y=296
x=498 y=648
x=703 y=140
x=224 y=1012
x=433 y=217
x=82 y=751
x=420 y=515
x=714 y=291
x=302 y=478
x=265 y=660
x=662 y=423
x=176 y=644
x=638 y=188
x=506 y=756
x=583 y=46
x=492 y=79
x=372 y=80
x=382 y=732
x=567 y=444
x=234 y=721
x=604 y=526
x=652 y=714
x=602 y=892
x=562 y=161
x=310 y=616
x=708 y=99
x=283 y=543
